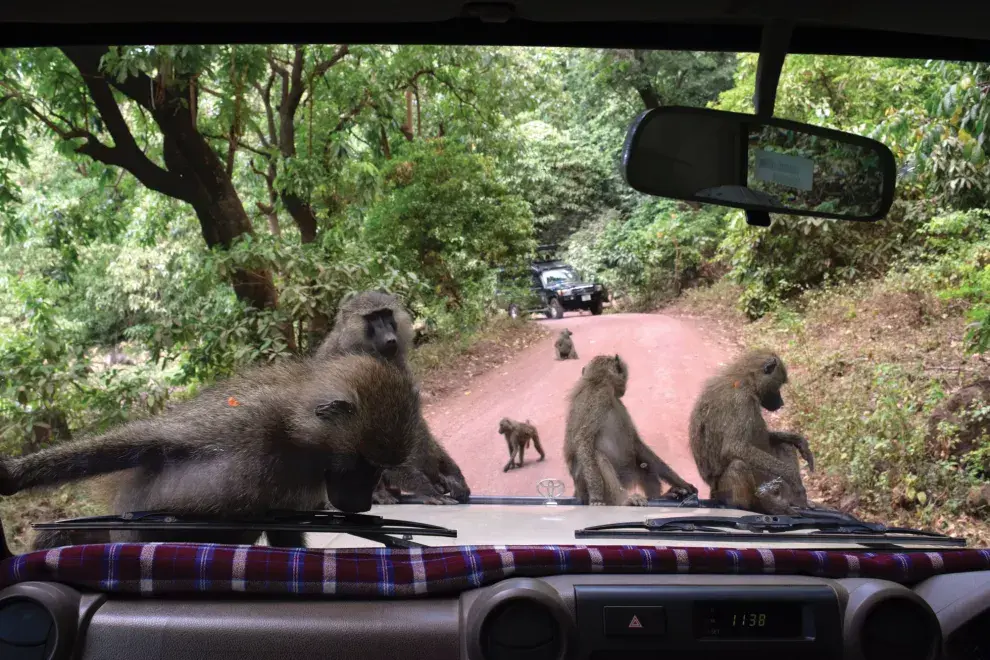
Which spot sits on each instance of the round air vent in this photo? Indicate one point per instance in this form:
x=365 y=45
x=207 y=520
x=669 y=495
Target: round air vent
x=27 y=630
x=521 y=629
x=900 y=628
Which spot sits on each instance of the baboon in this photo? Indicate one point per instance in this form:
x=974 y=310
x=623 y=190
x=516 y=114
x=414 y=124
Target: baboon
x=285 y=436
x=735 y=452
x=517 y=437
x=603 y=450
x=565 y=346
x=375 y=323
x=372 y=322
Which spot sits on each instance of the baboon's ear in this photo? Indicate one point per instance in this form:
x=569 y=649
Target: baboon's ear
x=335 y=408
x=769 y=366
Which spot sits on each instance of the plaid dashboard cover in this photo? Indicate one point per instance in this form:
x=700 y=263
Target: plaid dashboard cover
x=156 y=569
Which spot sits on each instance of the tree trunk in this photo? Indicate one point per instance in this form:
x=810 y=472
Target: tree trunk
x=386 y=148
x=407 y=127
x=195 y=173
x=301 y=211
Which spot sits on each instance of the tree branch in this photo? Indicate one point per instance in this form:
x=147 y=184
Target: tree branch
x=238 y=143
x=326 y=65
x=125 y=153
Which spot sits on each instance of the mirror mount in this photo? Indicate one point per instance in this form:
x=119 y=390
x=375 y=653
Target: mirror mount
x=775 y=39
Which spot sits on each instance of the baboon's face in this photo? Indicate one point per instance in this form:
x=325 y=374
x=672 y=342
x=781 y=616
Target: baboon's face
x=380 y=333
x=773 y=375
x=504 y=426
x=619 y=375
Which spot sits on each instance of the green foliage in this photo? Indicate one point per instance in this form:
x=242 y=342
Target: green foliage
x=662 y=246
x=564 y=178
x=447 y=213
x=904 y=103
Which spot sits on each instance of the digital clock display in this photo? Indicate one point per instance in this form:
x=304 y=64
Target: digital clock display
x=735 y=619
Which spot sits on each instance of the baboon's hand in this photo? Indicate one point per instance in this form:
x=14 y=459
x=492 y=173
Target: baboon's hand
x=637 y=500
x=440 y=500
x=458 y=490
x=383 y=496
x=596 y=503
x=683 y=491
x=771 y=487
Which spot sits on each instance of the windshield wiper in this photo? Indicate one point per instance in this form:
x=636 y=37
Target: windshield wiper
x=763 y=527
x=372 y=528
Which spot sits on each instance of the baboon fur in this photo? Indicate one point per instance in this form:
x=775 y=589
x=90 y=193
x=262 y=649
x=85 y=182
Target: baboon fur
x=565 y=346
x=376 y=323
x=735 y=452
x=602 y=448
x=517 y=437
x=284 y=436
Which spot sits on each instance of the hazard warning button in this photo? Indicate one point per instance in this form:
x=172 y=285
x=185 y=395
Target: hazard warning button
x=634 y=621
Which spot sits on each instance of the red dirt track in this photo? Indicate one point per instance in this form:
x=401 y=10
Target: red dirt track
x=669 y=359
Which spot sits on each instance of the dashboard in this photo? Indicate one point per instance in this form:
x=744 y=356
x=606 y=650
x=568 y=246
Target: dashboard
x=579 y=617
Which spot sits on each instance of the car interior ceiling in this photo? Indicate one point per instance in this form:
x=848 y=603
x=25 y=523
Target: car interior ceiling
x=839 y=606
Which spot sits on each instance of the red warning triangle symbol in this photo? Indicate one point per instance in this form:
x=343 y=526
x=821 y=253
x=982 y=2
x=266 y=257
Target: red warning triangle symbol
x=635 y=622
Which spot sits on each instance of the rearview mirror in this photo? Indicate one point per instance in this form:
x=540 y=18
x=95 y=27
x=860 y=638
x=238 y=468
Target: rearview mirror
x=774 y=165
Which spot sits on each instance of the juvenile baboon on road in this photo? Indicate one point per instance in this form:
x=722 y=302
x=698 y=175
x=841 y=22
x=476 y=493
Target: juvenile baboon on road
x=565 y=346
x=375 y=323
x=735 y=452
x=603 y=450
x=517 y=437
x=286 y=436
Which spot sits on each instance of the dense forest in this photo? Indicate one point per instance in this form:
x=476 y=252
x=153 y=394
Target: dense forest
x=171 y=214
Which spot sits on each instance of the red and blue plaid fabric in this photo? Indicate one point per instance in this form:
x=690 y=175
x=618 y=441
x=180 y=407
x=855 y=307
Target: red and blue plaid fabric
x=170 y=568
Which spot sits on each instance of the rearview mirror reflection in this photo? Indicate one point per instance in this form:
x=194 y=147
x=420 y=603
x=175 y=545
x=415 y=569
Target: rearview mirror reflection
x=775 y=165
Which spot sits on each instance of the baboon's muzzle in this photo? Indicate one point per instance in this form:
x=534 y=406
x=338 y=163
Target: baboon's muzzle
x=350 y=490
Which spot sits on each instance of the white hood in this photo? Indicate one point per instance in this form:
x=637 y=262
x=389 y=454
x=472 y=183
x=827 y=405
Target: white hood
x=541 y=524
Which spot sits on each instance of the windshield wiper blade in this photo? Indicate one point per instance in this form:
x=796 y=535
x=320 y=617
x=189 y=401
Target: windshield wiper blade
x=764 y=527
x=373 y=528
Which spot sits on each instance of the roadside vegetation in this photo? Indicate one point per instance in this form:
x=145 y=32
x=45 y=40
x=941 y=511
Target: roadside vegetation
x=169 y=215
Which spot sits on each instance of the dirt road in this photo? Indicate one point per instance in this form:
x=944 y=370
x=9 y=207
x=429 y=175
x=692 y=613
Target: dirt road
x=669 y=359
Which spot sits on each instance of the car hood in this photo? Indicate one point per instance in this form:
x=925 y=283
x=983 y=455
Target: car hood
x=541 y=524
x=573 y=285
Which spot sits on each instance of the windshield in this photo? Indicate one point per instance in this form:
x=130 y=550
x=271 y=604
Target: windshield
x=558 y=276
x=179 y=217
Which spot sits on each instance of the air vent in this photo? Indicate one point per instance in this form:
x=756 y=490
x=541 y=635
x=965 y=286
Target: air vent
x=27 y=630
x=899 y=628
x=521 y=629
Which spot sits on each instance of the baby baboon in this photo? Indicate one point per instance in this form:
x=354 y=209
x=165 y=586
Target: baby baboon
x=565 y=346
x=786 y=447
x=603 y=450
x=517 y=437
x=375 y=323
x=286 y=436
x=732 y=447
